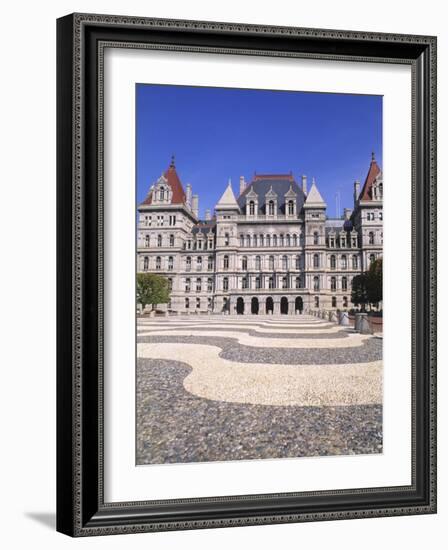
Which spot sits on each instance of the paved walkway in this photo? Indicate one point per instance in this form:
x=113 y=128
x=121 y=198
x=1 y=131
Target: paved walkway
x=223 y=388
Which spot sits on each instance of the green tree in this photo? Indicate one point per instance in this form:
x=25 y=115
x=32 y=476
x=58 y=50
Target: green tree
x=152 y=289
x=375 y=281
x=360 y=294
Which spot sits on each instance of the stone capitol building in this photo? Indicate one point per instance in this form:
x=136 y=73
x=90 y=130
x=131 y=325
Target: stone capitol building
x=270 y=250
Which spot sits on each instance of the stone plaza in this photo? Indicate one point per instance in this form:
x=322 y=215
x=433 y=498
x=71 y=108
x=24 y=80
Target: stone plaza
x=220 y=387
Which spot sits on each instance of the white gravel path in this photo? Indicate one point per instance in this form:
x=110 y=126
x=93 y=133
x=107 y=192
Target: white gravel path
x=265 y=384
x=353 y=340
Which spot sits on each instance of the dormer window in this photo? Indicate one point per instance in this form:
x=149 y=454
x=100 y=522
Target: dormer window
x=271 y=207
x=252 y=208
x=291 y=208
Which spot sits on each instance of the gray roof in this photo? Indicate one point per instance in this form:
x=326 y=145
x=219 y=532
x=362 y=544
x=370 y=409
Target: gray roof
x=337 y=224
x=280 y=185
x=204 y=227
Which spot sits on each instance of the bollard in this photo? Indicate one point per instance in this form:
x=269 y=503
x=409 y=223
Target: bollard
x=358 y=320
x=364 y=327
x=343 y=319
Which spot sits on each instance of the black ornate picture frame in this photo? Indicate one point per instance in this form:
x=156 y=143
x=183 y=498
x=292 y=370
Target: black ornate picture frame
x=81 y=508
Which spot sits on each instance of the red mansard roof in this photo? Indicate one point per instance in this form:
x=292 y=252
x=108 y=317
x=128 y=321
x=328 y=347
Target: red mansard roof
x=175 y=184
x=374 y=171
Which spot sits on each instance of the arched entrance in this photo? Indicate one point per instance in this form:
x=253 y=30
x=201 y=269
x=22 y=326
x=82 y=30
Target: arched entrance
x=269 y=305
x=299 y=304
x=254 y=306
x=284 y=305
x=240 y=306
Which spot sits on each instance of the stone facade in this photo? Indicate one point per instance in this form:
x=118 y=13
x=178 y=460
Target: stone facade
x=270 y=250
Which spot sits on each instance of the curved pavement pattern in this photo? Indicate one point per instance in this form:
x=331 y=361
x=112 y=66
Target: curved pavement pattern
x=234 y=388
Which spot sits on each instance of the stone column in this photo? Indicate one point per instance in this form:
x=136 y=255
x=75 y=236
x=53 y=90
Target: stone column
x=291 y=307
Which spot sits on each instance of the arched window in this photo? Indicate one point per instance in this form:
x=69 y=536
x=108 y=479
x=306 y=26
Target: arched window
x=147 y=241
x=372 y=258
x=158 y=262
x=145 y=263
x=258 y=263
x=316 y=284
x=188 y=263
x=271 y=282
x=343 y=261
x=226 y=239
x=254 y=241
x=315 y=237
x=170 y=263
x=187 y=303
x=226 y=262
x=244 y=283
x=371 y=237
x=288 y=240
x=171 y=240
x=282 y=240
x=274 y=240
x=210 y=263
x=261 y=240
x=344 y=301
x=251 y=208
x=170 y=284
x=209 y=285
x=271 y=262
x=298 y=262
x=159 y=240
x=290 y=207
x=298 y=282
x=198 y=285
x=316 y=260
x=332 y=261
x=248 y=240
x=333 y=301
x=294 y=240
x=355 y=262
x=344 y=283
x=271 y=208
x=268 y=240
x=285 y=262
x=241 y=240
x=225 y=283
x=333 y=283
x=244 y=263
x=316 y=301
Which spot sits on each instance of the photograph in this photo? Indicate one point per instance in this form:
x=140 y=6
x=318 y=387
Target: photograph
x=258 y=269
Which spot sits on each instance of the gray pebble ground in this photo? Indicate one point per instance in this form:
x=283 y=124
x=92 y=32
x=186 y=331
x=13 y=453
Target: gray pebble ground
x=175 y=426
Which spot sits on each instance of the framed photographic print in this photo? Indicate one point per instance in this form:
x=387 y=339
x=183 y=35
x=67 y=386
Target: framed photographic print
x=246 y=274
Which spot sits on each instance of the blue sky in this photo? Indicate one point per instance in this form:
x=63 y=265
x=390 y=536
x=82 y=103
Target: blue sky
x=221 y=133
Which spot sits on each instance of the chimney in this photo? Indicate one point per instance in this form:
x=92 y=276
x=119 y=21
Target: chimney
x=242 y=185
x=188 y=194
x=195 y=205
x=356 y=187
x=208 y=215
x=347 y=213
x=304 y=188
